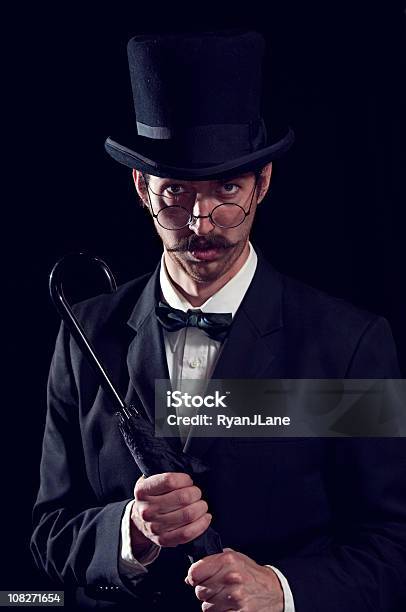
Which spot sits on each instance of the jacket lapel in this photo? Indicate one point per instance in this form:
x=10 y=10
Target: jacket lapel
x=254 y=341
x=146 y=359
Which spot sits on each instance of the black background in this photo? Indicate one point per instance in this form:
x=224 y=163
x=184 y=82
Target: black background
x=335 y=217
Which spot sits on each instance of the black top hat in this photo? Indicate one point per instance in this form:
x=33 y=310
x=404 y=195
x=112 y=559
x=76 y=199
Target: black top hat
x=197 y=101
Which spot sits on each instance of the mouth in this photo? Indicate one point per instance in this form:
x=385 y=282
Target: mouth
x=207 y=254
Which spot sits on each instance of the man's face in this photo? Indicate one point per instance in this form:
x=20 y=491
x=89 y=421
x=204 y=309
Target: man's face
x=204 y=251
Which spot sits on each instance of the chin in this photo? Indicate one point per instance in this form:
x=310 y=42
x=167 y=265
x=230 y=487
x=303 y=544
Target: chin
x=205 y=273
x=209 y=271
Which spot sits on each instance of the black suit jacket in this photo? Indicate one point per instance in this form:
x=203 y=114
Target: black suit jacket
x=329 y=513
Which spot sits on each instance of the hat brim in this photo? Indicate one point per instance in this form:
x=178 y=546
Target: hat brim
x=250 y=161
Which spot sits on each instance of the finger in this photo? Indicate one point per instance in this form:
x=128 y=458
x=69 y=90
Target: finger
x=178 y=518
x=217 y=588
x=157 y=506
x=226 y=599
x=204 y=593
x=178 y=499
x=217 y=606
x=185 y=534
x=205 y=568
x=159 y=484
x=224 y=577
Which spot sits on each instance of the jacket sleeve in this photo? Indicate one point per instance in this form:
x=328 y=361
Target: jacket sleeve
x=75 y=539
x=364 y=569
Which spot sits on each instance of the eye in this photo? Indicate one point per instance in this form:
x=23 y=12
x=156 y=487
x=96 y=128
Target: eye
x=174 y=189
x=230 y=188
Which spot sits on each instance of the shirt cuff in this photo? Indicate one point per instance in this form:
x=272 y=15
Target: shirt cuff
x=128 y=565
x=287 y=593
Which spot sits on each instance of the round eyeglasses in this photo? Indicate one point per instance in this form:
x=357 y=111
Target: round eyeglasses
x=176 y=212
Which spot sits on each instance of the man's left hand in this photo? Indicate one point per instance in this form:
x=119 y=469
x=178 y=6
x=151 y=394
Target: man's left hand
x=233 y=581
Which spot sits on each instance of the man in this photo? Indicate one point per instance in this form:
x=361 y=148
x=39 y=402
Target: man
x=306 y=524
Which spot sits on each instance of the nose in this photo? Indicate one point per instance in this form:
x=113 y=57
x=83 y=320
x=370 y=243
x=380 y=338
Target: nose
x=201 y=224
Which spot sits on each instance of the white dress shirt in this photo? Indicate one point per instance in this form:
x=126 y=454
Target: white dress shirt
x=192 y=355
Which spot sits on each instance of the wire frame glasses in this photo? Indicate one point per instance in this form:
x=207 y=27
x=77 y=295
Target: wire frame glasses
x=176 y=209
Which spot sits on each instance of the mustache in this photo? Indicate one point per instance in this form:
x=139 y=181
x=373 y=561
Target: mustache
x=201 y=243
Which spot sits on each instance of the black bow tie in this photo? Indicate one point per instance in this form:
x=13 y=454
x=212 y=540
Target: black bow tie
x=216 y=325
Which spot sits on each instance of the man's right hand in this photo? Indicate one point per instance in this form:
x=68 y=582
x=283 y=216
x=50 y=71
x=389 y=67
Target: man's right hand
x=168 y=510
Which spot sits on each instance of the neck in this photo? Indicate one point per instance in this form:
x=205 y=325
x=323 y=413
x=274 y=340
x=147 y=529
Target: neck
x=198 y=292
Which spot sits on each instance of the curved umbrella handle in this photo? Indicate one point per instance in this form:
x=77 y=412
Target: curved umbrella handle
x=62 y=306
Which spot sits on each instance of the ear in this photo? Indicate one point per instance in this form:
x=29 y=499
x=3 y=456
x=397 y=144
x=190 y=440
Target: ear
x=140 y=186
x=264 y=181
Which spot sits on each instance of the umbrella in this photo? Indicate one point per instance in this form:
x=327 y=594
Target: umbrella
x=152 y=455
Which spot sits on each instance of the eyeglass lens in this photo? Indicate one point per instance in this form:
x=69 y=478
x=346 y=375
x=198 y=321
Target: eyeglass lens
x=223 y=215
x=175 y=210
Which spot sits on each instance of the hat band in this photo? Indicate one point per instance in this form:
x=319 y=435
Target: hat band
x=209 y=144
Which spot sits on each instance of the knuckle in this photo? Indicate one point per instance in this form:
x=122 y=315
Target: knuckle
x=233 y=578
x=187 y=515
x=174 y=480
x=183 y=497
x=229 y=558
x=139 y=492
x=236 y=597
x=149 y=483
x=144 y=513
x=240 y=598
x=168 y=479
